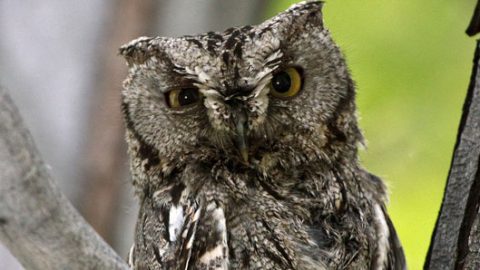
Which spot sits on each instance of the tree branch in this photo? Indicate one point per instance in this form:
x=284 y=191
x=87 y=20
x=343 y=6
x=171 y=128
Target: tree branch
x=456 y=239
x=37 y=223
x=474 y=26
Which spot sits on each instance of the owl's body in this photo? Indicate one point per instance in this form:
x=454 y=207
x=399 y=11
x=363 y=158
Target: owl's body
x=243 y=150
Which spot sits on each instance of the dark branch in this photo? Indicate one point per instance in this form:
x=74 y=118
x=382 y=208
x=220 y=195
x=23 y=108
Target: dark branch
x=474 y=26
x=456 y=238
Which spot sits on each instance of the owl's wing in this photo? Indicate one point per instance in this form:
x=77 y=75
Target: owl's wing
x=389 y=254
x=165 y=233
x=188 y=228
x=185 y=234
x=396 y=257
x=209 y=251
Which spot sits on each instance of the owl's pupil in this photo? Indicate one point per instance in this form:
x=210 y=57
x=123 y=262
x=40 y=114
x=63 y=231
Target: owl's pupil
x=187 y=96
x=281 y=82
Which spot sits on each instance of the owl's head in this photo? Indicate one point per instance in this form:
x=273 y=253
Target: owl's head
x=254 y=96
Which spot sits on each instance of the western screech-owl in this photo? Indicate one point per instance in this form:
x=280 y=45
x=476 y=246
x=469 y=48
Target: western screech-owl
x=243 y=148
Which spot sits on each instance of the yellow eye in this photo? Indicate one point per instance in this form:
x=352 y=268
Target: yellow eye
x=286 y=83
x=180 y=97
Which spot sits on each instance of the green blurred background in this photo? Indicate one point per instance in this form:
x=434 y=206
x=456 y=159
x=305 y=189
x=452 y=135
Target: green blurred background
x=411 y=61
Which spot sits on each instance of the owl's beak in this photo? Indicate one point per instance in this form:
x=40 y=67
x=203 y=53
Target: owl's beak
x=241 y=129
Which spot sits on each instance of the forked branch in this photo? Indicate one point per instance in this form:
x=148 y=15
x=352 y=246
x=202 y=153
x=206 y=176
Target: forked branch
x=37 y=222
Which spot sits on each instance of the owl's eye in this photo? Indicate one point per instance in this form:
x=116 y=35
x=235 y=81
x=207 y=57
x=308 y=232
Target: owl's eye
x=286 y=83
x=180 y=97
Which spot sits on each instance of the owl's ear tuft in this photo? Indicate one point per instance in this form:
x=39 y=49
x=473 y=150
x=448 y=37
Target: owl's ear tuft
x=309 y=12
x=139 y=50
x=295 y=20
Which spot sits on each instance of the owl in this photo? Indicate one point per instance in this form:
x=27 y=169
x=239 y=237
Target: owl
x=243 y=150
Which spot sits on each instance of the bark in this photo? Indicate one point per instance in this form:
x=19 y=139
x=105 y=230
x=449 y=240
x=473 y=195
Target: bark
x=456 y=238
x=37 y=223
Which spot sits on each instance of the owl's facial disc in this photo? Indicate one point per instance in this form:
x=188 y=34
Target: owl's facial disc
x=229 y=116
x=240 y=116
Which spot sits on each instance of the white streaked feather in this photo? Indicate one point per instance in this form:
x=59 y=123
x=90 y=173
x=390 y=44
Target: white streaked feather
x=212 y=254
x=130 y=256
x=383 y=234
x=203 y=77
x=220 y=250
x=275 y=55
x=189 y=245
x=261 y=88
x=175 y=222
x=219 y=216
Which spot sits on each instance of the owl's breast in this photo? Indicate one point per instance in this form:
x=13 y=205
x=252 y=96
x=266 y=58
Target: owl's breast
x=266 y=228
x=264 y=234
x=224 y=216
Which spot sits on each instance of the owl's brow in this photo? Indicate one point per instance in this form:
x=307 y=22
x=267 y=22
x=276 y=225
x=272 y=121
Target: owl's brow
x=275 y=59
x=197 y=76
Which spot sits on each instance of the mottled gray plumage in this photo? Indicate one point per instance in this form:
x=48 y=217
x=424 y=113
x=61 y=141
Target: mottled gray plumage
x=244 y=179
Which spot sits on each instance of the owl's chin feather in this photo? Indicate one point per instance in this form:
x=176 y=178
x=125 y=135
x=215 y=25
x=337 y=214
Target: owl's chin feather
x=240 y=136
